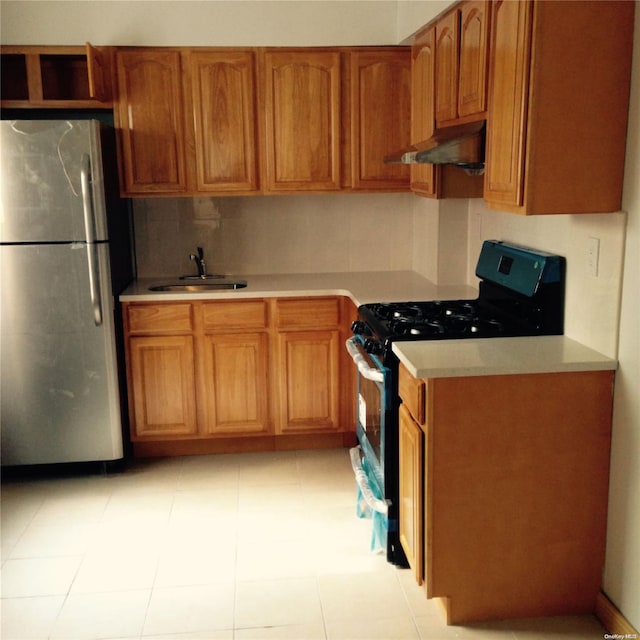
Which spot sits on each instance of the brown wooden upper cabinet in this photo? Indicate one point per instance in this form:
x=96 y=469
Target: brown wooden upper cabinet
x=423 y=87
x=150 y=118
x=246 y=121
x=55 y=77
x=224 y=108
x=187 y=121
x=380 y=117
x=303 y=119
x=558 y=106
x=462 y=38
x=435 y=181
x=309 y=108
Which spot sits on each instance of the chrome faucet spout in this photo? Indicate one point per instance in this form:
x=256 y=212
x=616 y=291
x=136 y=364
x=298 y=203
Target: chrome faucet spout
x=200 y=263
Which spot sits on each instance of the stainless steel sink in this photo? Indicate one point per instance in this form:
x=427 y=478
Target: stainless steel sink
x=194 y=287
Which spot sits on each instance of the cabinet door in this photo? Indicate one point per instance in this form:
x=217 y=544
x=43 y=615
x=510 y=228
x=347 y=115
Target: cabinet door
x=411 y=492
x=309 y=380
x=423 y=87
x=150 y=117
x=235 y=384
x=474 y=37
x=162 y=386
x=224 y=105
x=99 y=72
x=303 y=125
x=380 y=117
x=546 y=93
x=447 y=47
x=507 y=122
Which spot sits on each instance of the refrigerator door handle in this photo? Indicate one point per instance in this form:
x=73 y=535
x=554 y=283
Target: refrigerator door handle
x=89 y=228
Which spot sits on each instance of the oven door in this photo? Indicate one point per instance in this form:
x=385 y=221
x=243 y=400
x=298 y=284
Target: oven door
x=373 y=399
x=375 y=460
x=373 y=395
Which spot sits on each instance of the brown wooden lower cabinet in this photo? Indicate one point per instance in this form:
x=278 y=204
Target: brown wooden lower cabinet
x=212 y=376
x=411 y=439
x=234 y=382
x=309 y=381
x=163 y=385
x=515 y=483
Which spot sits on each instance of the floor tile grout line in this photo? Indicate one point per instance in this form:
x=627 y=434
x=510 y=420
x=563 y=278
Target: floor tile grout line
x=508 y=632
x=322 y=611
x=408 y=604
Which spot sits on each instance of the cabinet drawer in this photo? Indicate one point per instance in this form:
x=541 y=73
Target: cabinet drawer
x=159 y=318
x=308 y=313
x=412 y=392
x=249 y=314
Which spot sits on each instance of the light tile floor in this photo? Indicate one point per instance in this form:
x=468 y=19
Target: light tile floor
x=228 y=547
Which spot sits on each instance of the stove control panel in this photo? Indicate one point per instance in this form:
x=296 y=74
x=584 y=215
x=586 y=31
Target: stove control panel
x=518 y=268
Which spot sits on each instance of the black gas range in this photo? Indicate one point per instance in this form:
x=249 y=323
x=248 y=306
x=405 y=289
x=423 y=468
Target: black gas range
x=521 y=293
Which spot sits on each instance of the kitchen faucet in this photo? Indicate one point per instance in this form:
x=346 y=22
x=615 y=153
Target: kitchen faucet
x=200 y=263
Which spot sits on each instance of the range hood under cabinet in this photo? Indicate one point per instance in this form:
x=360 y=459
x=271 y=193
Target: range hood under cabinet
x=461 y=145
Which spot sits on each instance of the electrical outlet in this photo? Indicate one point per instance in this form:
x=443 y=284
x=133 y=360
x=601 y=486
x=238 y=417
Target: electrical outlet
x=593 y=256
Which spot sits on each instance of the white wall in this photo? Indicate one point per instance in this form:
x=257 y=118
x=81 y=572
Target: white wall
x=199 y=23
x=275 y=234
x=592 y=303
x=622 y=568
x=413 y=14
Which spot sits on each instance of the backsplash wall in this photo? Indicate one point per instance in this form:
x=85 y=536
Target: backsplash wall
x=441 y=240
x=592 y=303
x=285 y=234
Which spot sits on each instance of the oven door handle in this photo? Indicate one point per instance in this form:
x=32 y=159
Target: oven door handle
x=366 y=371
x=363 y=482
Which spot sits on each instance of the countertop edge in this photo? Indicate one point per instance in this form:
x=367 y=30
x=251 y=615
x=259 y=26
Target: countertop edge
x=424 y=359
x=507 y=356
x=361 y=287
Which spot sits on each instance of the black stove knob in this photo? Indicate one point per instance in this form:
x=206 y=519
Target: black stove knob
x=359 y=328
x=374 y=347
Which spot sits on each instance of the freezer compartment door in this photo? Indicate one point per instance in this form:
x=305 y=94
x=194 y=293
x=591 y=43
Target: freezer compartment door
x=43 y=162
x=59 y=388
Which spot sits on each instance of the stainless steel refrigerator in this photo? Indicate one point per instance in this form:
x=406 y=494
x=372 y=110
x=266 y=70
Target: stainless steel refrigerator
x=65 y=254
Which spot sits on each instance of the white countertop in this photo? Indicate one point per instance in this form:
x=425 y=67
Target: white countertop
x=361 y=287
x=424 y=359
x=499 y=356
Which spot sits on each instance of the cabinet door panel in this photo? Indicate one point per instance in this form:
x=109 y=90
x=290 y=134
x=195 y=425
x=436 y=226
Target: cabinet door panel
x=507 y=122
x=381 y=117
x=423 y=87
x=151 y=120
x=447 y=47
x=225 y=119
x=411 y=492
x=99 y=72
x=303 y=120
x=163 y=384
x=309 y=381
x=474 y=32
x=235 y=383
